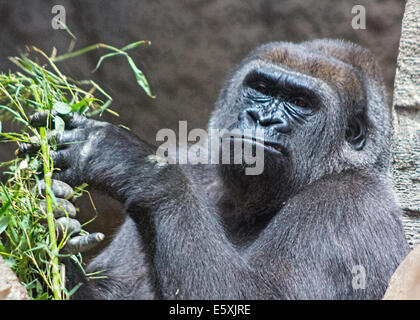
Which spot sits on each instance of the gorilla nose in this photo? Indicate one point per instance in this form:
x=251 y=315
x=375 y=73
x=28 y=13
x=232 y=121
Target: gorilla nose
x=278 y=121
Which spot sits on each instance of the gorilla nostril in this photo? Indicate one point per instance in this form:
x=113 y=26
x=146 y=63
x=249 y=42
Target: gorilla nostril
x=264 y=119
x=267 y=120
x=253 y=114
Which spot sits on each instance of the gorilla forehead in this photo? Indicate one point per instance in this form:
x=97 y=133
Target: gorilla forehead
x=298 y=57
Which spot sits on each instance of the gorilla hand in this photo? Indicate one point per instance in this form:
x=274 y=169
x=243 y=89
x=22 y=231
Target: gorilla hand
x=65 y=223
x=101 y=154
x=80 y=142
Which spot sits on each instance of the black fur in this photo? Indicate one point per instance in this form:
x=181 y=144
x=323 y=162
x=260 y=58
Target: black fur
x=323 y=204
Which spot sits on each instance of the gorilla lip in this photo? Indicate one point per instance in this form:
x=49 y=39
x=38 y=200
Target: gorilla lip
x=270 y=146
x=276 y=147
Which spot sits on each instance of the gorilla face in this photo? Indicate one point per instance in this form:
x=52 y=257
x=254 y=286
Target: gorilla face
x=310 y=106
x=281 y=104
x=277 y=103
x=289 y=110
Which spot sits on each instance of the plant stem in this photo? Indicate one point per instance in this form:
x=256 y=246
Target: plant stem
x=56 y=279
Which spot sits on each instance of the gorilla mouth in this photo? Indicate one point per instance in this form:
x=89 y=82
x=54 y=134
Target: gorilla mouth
x=268 y=145
x=274 y=146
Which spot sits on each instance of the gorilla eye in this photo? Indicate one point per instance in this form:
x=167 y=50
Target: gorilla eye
x=260 y=83
x=261 y=87
x=300 y=102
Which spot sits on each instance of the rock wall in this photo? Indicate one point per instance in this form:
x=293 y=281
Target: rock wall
x=406 y=144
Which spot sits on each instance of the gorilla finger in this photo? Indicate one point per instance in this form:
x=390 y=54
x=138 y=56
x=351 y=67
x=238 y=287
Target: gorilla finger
x=61 y=158
x=75 y=120
x=27 y=148
x=33 y=145
x=39 y=119
x=30 y=147
x=70 y=137
x=63 y=208
x=83 y=243
x=71 y=120
x=59 y=188
x=67 y=226
x=65 y=175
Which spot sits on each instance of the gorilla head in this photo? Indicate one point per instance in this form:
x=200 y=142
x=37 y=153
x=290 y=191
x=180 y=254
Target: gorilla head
x=323 y=108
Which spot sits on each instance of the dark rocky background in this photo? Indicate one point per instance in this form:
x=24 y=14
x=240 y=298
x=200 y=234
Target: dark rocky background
x=194 y=46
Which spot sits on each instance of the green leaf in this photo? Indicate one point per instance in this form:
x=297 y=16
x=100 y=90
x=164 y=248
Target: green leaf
x=72 y=291
x=34 y=164
x=141 y=79
x=17 y=115
x=135 y=45
x=120 y=52
x=59 y=124
x=105 y=57
x=4 y=222
x=125 y=127
x=80 y=106
x=62 y=108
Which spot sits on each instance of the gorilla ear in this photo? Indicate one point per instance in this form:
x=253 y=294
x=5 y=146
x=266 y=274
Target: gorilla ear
x=356 y=131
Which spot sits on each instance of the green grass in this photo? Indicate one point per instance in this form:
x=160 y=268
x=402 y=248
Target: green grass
x=28 y=239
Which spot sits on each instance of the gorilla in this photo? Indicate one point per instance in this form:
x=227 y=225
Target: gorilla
x=320 y=217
